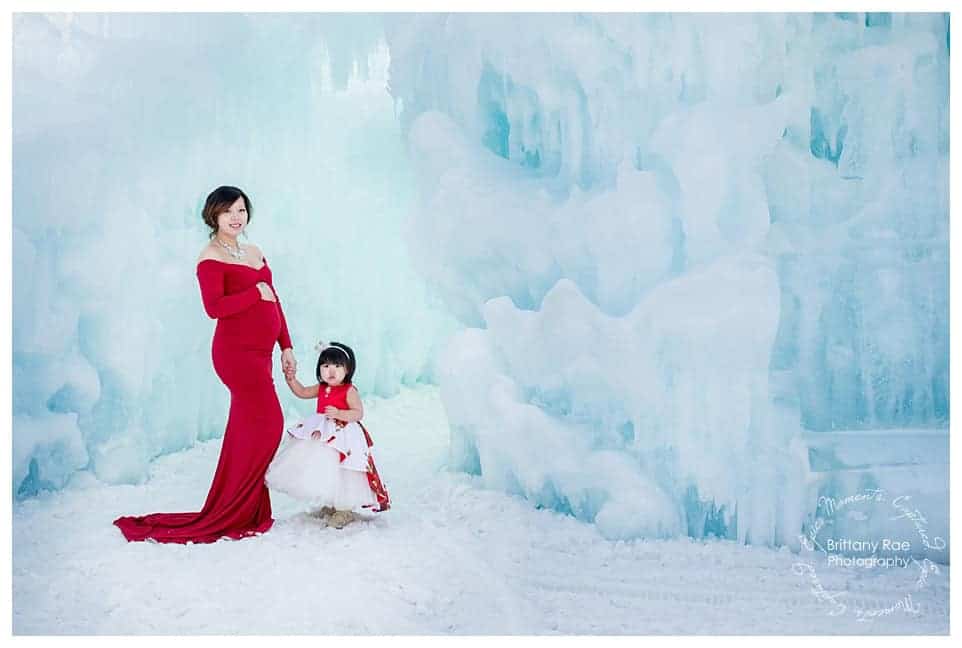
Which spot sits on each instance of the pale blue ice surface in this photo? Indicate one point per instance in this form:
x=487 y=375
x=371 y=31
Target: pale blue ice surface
x=655 y=262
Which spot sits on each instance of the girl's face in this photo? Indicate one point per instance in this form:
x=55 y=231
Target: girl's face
x=232 y=222
x=333 y=374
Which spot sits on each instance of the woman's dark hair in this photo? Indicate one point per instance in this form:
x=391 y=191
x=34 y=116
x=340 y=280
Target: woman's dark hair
x=220 y=200
x=334 y=354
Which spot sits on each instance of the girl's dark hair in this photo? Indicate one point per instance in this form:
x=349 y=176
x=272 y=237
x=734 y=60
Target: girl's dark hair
x=220 y=200
x=334 y=354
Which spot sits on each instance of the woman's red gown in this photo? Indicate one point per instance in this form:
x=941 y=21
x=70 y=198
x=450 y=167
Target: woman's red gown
x=248 y=326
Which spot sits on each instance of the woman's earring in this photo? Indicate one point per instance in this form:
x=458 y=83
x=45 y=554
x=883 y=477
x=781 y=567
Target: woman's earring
x=244 y=232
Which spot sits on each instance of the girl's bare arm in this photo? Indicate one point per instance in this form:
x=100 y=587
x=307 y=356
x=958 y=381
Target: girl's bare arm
x=356 y=413
x=300 y=390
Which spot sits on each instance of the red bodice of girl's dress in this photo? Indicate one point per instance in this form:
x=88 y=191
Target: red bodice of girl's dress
x=337 y=397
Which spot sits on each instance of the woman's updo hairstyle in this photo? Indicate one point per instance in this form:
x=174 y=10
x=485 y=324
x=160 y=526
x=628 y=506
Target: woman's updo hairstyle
x=220 y=200
x=335 y=354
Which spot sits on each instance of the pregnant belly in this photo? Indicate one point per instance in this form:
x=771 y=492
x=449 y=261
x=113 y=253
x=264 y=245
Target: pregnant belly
x=243 y=348
x=256 y=328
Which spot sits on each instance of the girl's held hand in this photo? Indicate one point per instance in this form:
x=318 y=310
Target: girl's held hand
x=266 y=293
x=331 y=412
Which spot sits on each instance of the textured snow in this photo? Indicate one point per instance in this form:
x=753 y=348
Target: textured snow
x=450 y=557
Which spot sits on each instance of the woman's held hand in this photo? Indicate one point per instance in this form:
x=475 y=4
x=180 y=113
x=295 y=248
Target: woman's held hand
x=288 y=362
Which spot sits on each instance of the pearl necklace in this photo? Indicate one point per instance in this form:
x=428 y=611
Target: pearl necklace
x=237 y=254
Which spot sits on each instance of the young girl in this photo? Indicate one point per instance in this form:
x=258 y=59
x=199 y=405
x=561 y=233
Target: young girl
x=327 y=459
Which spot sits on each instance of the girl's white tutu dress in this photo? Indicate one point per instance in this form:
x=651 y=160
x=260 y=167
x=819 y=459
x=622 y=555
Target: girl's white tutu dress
x=335 y=470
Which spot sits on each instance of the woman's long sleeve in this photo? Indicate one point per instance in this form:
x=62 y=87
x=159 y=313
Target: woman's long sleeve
x=284 y=338
x=216 y=303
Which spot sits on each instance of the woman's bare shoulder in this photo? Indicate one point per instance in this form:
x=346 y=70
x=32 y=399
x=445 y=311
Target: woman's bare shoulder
x=254 y=251
x=209 y=252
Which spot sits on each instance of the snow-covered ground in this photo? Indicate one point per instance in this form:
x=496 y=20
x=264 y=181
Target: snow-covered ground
x=449 y=558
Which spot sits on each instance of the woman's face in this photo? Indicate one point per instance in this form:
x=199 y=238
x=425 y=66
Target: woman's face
x=232 y=222
x=333 y=374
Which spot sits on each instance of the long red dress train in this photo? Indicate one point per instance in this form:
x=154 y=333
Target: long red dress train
x=238 y=503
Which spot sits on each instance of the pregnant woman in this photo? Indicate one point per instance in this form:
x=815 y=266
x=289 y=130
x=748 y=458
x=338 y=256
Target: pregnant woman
x=237 y=291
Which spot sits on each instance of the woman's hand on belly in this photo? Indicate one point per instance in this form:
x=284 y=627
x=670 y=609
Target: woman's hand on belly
x=266 y=293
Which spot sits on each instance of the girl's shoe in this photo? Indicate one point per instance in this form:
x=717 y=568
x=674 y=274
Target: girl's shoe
x=340 y=518
x=323 y=512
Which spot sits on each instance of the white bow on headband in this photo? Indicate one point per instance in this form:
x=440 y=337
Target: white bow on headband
x=321 y=346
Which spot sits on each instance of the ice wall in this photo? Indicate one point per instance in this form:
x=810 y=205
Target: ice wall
x=679 y=240
x=122 y=125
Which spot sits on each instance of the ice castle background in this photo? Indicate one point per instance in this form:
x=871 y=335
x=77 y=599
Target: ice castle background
x=673 y=273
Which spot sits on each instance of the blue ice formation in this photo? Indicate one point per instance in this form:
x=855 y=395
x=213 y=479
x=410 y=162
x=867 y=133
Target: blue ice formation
x=678 y=242
x=681 y=273
x=122 y=125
